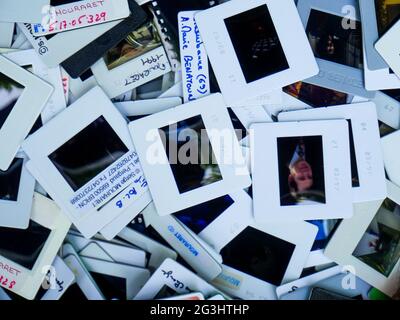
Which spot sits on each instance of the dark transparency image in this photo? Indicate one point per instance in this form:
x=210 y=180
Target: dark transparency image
x=256 y=43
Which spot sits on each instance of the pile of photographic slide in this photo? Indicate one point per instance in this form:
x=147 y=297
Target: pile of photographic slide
x=199 y=150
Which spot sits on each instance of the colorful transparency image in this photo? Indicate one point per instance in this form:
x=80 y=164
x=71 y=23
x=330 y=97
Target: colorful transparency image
x=379 y=247
x=97 y=145
x=316 y=96
x=387 y=14
x=10 y=179
x=256 y=43
x=326 y=228
x=301 y=171
x=259 y=254
x=10 y=91
x=190 y=154
x=197 y=218
x=140 y=41
x=331 y=41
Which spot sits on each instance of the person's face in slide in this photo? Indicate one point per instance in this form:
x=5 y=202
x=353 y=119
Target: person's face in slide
x=330 y=47
x=301 y=174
